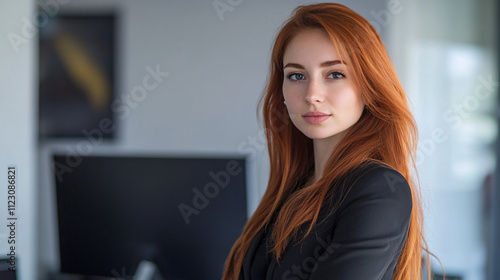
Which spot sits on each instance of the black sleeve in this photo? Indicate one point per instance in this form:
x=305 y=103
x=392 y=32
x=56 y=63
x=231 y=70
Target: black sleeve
x=371 y=228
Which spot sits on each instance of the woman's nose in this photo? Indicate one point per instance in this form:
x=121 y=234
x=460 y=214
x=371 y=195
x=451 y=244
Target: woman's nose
x=315 y=92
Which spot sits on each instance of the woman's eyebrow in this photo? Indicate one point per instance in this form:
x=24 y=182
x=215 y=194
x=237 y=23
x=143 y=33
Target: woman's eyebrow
x=323 y=64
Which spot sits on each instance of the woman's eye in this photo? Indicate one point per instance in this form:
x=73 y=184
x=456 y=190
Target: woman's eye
x=296 y=77
x=336 y=75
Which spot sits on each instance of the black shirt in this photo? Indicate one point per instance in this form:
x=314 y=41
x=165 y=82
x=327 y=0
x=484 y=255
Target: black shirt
x=362 y=239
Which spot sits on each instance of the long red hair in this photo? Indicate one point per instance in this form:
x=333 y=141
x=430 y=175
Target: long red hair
x=386 y=133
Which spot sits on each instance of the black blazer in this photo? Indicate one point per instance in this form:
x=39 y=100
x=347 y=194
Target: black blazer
x=361 y=240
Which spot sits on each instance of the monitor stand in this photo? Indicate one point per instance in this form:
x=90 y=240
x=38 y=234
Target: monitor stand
x=147 y=271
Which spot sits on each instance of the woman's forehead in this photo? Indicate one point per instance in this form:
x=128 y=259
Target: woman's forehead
x=311 y=47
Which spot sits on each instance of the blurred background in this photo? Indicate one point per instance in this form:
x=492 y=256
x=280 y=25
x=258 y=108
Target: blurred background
x=182 y=79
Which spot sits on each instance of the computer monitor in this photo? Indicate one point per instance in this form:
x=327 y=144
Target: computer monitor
x=183 y=214
x=7 y=269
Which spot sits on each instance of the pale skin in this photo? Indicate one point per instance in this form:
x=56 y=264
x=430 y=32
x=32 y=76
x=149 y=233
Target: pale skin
x=315 y=80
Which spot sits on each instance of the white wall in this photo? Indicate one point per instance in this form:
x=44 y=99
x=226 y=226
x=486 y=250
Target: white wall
x=207 y=104
x=17 y=123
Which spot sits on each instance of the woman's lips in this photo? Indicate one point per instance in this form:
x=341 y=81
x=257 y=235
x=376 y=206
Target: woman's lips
x=315 y=117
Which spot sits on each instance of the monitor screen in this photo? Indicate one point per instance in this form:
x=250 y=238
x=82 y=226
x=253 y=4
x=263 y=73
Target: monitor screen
x=183 y=214
x=7 y=269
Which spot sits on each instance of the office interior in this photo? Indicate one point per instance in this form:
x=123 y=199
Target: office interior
x=182 y=80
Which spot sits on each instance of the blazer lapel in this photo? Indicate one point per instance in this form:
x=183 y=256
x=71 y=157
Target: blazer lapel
x=247 y=261
x=270 y=270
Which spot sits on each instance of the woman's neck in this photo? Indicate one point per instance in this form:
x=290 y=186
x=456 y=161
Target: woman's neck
x=323 y=149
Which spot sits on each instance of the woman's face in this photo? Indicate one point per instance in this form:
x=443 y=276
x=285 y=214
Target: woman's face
x=320 y=98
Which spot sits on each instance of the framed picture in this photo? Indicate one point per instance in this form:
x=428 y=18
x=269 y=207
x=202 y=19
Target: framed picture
x=76 y=76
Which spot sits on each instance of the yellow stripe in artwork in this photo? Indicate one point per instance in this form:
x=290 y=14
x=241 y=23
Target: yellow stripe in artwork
x=84 y=71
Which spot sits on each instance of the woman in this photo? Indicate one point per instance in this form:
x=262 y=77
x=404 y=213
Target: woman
x=340 y=202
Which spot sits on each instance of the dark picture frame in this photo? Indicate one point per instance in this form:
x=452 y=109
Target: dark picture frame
x=77 y=76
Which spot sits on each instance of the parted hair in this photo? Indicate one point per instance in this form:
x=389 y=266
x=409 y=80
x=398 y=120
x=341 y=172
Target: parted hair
x=386 y=132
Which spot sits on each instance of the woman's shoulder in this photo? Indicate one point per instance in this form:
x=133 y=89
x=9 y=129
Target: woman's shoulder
x=375 y=174
x=378 y=183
